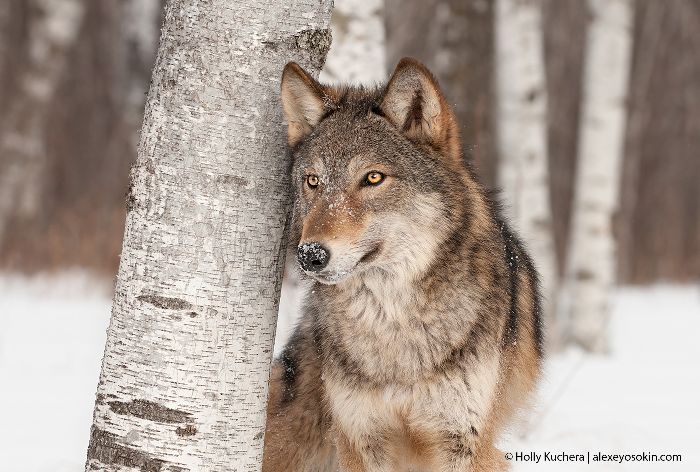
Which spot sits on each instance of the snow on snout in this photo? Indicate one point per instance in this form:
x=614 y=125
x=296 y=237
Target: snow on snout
x=312 y=249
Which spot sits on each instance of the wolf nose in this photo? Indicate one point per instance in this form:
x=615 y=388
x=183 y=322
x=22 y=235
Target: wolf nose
x=312 y=256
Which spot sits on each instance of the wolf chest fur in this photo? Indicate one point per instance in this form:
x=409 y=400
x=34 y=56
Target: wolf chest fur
x=420 y=336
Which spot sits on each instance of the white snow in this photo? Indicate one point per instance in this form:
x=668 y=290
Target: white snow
x=52 y=335
x=643 y=398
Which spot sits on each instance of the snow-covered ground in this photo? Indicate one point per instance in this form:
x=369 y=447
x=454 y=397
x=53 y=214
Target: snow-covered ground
x=641 y=399
x=52 y=335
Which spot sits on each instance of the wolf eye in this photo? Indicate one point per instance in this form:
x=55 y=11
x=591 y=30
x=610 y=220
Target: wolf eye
x=374 y=178
x=312 y=181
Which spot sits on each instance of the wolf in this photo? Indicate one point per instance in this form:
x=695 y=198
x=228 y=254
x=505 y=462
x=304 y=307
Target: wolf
x=421 y=335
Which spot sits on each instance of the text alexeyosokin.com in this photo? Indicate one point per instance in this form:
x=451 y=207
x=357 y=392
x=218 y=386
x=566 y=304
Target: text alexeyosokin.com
x=589 y=457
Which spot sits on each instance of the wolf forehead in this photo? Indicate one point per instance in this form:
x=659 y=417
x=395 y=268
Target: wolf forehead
x=352 y=128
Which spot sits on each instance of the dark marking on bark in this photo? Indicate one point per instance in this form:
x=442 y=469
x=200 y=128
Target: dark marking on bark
x=317 y=41
x=193 y=314
x=229 y=179
x=149 y=410
x=259 y=435
x=532 y=95
x=105 y=448
x=150 y=166
x=189 y=430
x=271 y=45
x=584 y=274
x=130 y=198
x=165 y=302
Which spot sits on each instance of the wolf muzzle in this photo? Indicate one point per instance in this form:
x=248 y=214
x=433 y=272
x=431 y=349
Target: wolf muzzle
x=313 y=257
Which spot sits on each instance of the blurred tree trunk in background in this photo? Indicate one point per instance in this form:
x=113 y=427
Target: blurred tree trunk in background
x=591 y=266
x=140 y=29
x=184 y=377
x=87 y=151
x=53 y=28
x=357 y=55
x=564 y=39
x=5 y=11
x=659 y=227
x=522 y=137
x=454 y=38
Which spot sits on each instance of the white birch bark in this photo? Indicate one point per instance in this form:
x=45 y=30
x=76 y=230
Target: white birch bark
x=53 y=29
x=358 y=54
x=522 y=137
x=592 y=256
x=186 y=364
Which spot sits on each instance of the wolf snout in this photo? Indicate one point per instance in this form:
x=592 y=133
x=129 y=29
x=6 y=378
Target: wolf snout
x=312 y=256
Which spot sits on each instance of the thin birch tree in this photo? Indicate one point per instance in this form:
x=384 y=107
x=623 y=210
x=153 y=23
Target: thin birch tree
x=522 y=136
x=358 y=54
x=184 y=375
x=591 y=266
x=139 y=28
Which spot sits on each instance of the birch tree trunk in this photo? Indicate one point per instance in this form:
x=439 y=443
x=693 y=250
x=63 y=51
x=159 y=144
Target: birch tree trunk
x=592 y=258
x=184 y=375
x=522 y=137
x=53 y=29
x=358 y=53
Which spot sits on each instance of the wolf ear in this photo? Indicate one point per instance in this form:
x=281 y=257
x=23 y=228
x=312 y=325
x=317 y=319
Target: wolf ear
x=304 y=101
x=414 y=103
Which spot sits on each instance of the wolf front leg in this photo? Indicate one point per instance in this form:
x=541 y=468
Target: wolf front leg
x=297 y=438
x=466 y=452
x=368 y=454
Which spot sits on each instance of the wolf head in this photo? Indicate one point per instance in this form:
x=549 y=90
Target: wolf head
x=378 y=175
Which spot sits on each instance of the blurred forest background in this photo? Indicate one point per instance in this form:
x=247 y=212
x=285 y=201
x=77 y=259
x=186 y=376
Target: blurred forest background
x=84 y=107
